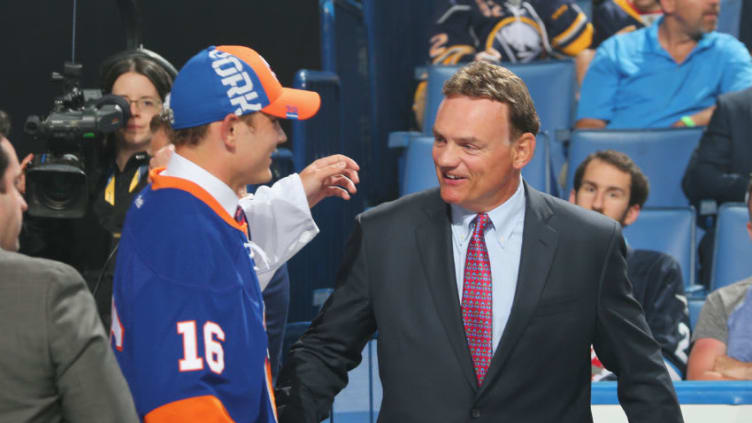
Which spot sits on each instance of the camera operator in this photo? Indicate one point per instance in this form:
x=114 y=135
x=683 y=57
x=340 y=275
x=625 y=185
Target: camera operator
x=116 y=171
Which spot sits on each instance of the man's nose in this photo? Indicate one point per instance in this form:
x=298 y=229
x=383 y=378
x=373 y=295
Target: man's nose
x=598 y=201
x=445 y=156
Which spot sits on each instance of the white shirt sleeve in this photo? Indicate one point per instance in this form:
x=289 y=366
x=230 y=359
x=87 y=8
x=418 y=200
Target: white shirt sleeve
x=280 y=223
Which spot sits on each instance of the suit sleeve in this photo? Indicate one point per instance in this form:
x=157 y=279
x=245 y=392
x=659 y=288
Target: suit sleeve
x=625 y=346
x=708 y=175
x=88 y=379
x=317 y=365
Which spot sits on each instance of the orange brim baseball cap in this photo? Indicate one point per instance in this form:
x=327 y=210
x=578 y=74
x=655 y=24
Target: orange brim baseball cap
x=234 y=79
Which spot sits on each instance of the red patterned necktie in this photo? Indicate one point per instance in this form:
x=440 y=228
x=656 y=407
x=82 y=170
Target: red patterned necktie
x=240 y=218
x=476 y=299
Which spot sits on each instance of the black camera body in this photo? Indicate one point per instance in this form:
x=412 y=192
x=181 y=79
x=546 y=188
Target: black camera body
x=56 y=180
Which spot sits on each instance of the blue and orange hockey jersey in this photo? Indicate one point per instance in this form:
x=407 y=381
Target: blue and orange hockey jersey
x=188 y=326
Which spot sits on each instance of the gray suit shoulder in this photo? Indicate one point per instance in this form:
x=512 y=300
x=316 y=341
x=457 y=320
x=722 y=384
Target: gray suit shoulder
x=36 y=272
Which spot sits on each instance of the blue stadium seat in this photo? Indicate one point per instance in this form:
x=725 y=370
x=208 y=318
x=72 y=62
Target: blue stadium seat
x=729 y=19
x=662 y=154
x=694 y=311
x=671 y=231
x=732 y=254
x=419 y=173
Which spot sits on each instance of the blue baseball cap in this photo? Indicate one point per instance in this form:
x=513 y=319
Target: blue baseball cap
x=233 y=79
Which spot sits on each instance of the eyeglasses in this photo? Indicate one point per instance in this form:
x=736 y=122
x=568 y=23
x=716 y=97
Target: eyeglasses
x=146 y=104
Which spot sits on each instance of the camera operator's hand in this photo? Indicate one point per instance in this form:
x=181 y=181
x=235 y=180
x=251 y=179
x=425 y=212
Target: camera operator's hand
x=22 y=180
x=332 y=176
x=161 y=157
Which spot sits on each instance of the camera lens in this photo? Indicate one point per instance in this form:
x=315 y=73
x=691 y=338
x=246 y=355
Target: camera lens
x=58 y=190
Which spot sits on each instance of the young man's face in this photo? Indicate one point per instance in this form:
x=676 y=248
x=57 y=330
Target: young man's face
x=477 y=164
x=606 y=189
x=258 y=140
x=12 y=204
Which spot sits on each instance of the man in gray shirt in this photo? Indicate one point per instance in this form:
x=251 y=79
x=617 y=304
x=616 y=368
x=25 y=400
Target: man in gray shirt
x=722 y=340
x=55 y=361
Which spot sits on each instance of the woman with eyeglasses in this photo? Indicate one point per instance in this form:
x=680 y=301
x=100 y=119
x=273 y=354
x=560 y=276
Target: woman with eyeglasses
x=144 y=83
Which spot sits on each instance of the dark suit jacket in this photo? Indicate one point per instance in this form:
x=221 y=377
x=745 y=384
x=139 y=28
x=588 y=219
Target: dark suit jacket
x=56 y=364
x=398 y=278
x=720 y=166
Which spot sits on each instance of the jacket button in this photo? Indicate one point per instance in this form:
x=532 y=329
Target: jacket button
x=475 y=413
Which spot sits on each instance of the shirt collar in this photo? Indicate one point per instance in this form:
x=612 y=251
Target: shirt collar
x=502 y=217
x=180 y=167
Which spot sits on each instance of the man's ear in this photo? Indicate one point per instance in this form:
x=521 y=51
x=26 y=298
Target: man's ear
x=523 y=149
x=632 y=212
x=749 y=229
x=228 y=130
x=572 y=197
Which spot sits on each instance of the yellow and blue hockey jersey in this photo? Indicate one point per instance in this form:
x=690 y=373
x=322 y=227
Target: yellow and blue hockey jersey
x=187 y=322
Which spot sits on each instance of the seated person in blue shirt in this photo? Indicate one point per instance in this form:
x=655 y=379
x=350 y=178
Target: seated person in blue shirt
x=722 y=342
x=610 y=183
x=612 y=17
x=668 y=74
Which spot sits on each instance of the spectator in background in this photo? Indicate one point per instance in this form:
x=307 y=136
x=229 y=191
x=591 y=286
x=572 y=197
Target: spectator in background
x=616 y=17
x=513 y=31
x=720 y=167
x=55 y=362
x=621 y=16
x=668 y=74
x=722 y=340
x=610 y=183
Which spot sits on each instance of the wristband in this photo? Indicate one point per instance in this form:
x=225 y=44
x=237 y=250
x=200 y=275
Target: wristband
x=687 y=121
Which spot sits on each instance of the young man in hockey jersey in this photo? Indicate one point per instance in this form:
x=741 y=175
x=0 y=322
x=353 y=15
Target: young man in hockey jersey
x=188 y=318
x=610 y=183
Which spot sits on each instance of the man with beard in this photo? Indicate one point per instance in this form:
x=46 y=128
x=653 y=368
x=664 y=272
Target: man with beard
x=660 y=76
x=610 y=183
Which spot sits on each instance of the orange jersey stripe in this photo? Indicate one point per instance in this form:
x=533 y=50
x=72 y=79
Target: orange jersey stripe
x=159 y=182
x=204 y=409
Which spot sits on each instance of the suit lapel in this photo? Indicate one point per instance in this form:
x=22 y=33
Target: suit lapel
x=539 y=242
x=434 y=240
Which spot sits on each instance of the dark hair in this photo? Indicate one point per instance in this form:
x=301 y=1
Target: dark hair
x=639 y=189
x=4 y=124
x=155 y=72
x=160 y=121
x=493 y=82
x=194 y=135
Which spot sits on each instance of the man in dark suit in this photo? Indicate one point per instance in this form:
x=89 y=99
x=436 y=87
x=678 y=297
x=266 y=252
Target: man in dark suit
x=720 y=166
x=55 y=361
x=491 y=321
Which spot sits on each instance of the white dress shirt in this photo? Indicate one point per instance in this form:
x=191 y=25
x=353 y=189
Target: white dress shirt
x=279 y=218
x=504 y=244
